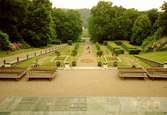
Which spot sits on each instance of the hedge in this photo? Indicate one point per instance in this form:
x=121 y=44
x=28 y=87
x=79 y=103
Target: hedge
x=115 y=48
x=130 y=48
x=75 y=50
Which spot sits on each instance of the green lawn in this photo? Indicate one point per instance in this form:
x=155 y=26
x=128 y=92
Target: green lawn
x=130 y=60
x=50 y=59
x=10 y=53
x=155 y=56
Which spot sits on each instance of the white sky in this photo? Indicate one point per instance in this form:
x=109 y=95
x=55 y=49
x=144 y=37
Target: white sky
x=137 y=4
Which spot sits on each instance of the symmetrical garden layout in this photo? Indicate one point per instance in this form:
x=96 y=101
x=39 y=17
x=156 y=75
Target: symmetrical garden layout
x=84 y=69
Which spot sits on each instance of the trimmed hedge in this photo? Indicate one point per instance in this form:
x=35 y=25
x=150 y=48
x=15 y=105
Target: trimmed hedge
x=75 y=50
x=115 y=48
x=130 y=48
x=99 y=51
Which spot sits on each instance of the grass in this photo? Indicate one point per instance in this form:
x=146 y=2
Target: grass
x=160 y=56
x=50 y=59
x=19 y=51
x=130 y=60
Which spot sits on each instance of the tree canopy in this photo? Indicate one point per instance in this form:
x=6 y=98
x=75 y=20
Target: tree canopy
x=36 y=22
x=108 y=22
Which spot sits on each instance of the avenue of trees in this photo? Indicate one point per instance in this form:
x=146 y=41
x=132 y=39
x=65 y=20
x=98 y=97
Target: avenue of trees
x=108 y=22
x=36 y=23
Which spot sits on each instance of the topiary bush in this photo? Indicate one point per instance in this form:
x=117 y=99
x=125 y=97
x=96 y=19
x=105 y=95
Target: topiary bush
x=115 y=64
x=58 y=63
x=74 y=63
x=4 y=41
x=99 y=63
x=99 y=53
x=74 y=52
x=118 y=43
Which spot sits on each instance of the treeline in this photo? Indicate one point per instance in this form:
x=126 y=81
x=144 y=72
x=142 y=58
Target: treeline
x=37 y=23
x=108 y=22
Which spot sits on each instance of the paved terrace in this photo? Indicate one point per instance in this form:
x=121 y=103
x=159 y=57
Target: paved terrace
x=84 y=106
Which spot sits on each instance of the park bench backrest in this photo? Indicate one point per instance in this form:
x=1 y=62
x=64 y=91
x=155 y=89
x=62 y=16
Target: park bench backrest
x=131 y=70
x=11 y=70
x=157 y=69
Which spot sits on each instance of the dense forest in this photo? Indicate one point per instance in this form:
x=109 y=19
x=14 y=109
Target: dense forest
x=108 y=22
x=36 y=23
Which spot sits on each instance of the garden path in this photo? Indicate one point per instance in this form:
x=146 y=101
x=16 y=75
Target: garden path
x=87 y=58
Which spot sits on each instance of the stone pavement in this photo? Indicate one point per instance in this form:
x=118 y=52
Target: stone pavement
x=84 y=106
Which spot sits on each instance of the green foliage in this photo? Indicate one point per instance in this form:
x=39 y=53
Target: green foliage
x=85 y=13
x=74 y=63
x=58 y=63
x=68 y=24
x=98 y=46
x=75 y=50
x=115 y=64
x=13 y=13
x=99 y=53
x=4 y=41
x=70 y=42
x=109 y=22
x=141 y=29
x=112 y=46
x=130 y=48
x=99 y=63
x=118 y=42
x=39 y=23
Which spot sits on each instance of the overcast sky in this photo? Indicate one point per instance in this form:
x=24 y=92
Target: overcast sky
x=137 y=4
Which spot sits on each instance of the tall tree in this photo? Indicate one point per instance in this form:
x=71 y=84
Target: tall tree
x=141 y=29
x=68 y=24
x=12 y=14
x=39 y=23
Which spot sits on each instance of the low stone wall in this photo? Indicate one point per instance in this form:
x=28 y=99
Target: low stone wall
x=150 y=62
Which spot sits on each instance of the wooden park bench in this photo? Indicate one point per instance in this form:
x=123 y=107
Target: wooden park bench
x=41 y=73
x=12 y=73
x=157 y=72
x=132 y=73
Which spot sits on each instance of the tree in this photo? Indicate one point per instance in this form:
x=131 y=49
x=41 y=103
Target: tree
x=39 y=24
x=4 y=41
x=109 y=22
x=12 y=16
x=141 y=29
x=68 y=24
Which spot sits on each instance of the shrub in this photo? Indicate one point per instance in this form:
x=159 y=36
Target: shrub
x=118 y=51
x=105 y=43
x=58 y=42
x=99 y=63
x=74 y=52
x=97 y=46
x=99 y=53
x=134 y=51
x=115 y=64
x=118 y=43
x=4 y=41
x=58 y=63
x=115 y=48
x=130 y=48
x=69 y=42
x=74 y=63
